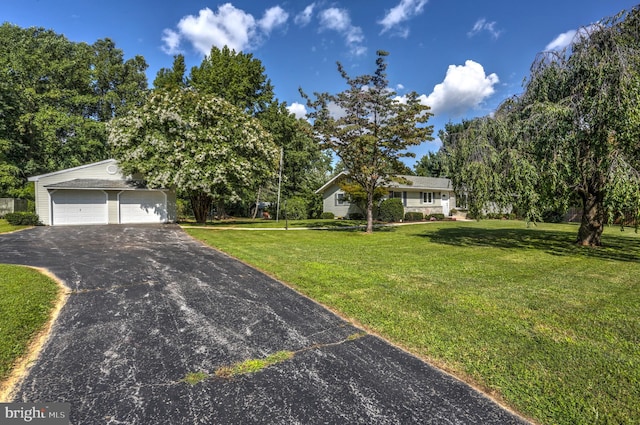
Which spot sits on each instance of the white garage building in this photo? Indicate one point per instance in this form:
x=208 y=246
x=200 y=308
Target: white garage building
x=99 y=193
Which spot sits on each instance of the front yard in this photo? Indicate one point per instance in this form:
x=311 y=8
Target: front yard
x=549 y=328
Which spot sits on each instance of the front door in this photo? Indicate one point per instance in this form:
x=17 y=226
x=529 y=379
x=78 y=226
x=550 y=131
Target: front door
x=444 y=201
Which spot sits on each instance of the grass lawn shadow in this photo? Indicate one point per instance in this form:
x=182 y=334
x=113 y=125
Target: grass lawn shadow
x=618 y=248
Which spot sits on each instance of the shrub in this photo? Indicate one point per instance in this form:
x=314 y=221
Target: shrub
x=437 y=216
x=453 y=211
x=327 y=215
x=391 y=210
x=356 y=216
x=296 y=209
x=22 y=219
x=414 y=216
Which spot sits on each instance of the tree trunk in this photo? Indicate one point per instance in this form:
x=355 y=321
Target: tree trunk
x=593 y=219
x=370 y=212
x=255 y=211
x=220 y=211
x=201 y=205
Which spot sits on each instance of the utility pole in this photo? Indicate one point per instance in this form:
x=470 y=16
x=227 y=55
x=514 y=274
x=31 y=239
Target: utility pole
x=279 y=184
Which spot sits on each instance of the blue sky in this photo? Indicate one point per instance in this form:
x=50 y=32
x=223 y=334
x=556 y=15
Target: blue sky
x=462 y=56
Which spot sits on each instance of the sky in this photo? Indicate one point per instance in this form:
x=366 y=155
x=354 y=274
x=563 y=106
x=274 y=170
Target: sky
x=463 y=57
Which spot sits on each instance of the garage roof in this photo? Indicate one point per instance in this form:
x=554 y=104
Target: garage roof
x=88 y=184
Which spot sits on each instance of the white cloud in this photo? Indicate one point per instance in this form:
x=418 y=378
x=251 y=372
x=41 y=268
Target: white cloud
x=561 y=41
x=565 y=39
x=297 y=109
x=483 y=25
x=171 y=41
x=228 y=26
x=404 y=11
x=339 y=20
x=303 y=18
x=464 y=87
x=273 y=18
x=399 y=87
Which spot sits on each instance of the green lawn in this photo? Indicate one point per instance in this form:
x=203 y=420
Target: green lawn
x=273 y=224
x=26 y=300
x=6 y=227
x=551 y=328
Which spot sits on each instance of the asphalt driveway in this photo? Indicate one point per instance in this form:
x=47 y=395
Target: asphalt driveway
x=149 y=305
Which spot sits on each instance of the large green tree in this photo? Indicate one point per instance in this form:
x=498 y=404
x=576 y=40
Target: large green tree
x=373 y=130
x=305 y=166
x=55 y=97
x=196 y=143
x=574 y=134
x=431 y=165
x=237 y=77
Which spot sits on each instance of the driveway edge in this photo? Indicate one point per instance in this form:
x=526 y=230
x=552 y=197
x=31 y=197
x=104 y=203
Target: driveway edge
x=24 y=364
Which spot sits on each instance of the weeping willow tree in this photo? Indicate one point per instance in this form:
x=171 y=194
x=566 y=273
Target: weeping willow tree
x=573 y=135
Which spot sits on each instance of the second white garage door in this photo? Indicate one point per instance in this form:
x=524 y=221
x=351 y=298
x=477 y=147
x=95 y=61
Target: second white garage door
x=143 y=207
x=79 y=207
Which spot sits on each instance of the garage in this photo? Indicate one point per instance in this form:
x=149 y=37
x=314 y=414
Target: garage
x=100 y=193
x=79 y=207
x=142 y=207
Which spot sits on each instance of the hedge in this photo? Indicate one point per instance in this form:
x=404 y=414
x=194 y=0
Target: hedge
x=414 y=216
x=22 y=219
x=391 y=210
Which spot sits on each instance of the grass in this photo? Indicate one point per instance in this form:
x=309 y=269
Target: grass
x=6 y=227
x=26 y=300
x=192 y=378
x=253 y=365
x=550 y=328
x=273 y=224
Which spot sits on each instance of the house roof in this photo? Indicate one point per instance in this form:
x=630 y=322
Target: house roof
x=36 y=178
x=87 y=184
x=423 y=183
x=419 y=183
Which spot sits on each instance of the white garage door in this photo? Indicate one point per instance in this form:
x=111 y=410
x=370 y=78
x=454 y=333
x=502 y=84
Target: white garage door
x=79 y=207
x=143 y=207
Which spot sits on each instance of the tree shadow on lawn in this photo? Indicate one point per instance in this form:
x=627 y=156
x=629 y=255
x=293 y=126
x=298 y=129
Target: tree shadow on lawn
x=619 y=248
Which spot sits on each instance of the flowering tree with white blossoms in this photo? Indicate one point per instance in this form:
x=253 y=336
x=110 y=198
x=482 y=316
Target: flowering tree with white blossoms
x=196 y=143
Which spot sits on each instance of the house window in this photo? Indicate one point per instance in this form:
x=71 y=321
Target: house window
x=428 y=197
x=341 y=199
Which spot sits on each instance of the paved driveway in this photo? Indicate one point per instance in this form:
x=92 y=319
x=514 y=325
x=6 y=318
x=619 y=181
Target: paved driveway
x=150 y=305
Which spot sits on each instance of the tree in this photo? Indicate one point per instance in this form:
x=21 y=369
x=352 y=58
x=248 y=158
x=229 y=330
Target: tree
x=174 y=78
x=196 y=143
x=55 y=97
x=573 y=133
x=431 y=165
x=238 y=78
x=305 y=164
x=373 y=130
x=118 y=84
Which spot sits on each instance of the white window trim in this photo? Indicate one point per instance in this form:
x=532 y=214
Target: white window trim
x=428 y=198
